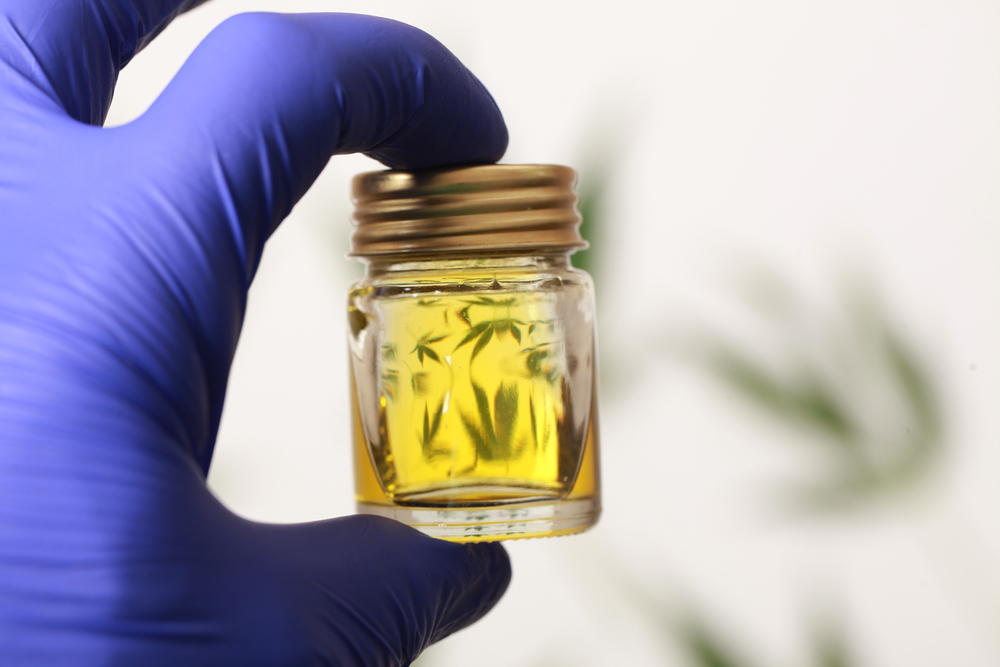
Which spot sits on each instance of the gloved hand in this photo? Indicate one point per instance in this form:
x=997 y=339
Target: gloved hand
x=125 y=258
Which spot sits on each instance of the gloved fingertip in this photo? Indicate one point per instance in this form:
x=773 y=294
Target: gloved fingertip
x=390 y=588
x=493 y=561
x=487 y=577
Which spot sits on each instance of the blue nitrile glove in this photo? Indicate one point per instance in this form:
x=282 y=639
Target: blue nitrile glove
x=125 y=258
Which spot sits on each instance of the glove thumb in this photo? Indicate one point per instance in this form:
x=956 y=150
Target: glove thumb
x=371 y=591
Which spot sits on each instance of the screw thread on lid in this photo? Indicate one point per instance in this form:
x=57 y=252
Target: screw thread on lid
x=480 y=209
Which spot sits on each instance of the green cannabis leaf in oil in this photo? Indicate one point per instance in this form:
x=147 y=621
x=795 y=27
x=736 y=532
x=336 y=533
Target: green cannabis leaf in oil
x=489 y=301
x=390 y=376
x=535 y=324
x=390 y=382
x=429 y=433
x=538 y=364
x=484 y=331
x=423 y=347
x=546 y=433
x=418 y=382
x=493 y=431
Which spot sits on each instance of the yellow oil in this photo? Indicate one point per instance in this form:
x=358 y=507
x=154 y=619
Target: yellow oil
x=474 y=406
x=371 y=494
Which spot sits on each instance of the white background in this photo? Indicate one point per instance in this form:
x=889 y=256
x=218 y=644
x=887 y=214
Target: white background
x=820 y=139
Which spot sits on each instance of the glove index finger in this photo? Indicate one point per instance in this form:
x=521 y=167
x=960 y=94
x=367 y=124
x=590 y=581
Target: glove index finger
x=266 y=99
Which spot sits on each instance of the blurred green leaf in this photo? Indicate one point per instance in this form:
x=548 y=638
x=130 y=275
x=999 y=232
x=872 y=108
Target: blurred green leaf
x=831 y=651
x=706 y=649
x=807 y=401
x=867 y=459
x=592 y=190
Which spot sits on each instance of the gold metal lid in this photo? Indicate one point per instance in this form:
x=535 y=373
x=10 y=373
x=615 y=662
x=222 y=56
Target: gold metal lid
x=482 y=209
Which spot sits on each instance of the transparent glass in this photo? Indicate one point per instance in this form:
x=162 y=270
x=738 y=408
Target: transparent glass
x=474 y=396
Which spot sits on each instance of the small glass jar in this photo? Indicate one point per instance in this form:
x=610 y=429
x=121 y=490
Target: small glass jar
x=472 y=356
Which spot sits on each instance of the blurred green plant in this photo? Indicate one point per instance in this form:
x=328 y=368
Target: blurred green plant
x=706 y=648
x=592 y=190
x=705 y=644
x=599 y=168
x=851 y=383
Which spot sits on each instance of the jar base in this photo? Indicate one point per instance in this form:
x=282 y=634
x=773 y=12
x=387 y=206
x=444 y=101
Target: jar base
x=491 y=524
